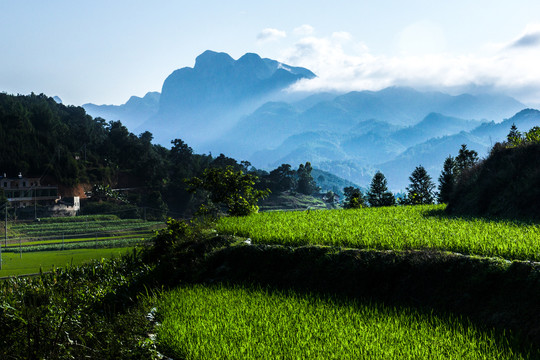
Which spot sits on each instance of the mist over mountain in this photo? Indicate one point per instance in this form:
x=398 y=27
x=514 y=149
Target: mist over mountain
x=198 y=104
x=132 y=114
x=241 y=108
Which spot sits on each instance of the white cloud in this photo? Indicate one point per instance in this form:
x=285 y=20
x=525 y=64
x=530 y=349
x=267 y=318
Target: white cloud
x=529 y=38
x=344 y=64
x=270 y=34
x=304 y=30
x=422 y=37
x=342 y=35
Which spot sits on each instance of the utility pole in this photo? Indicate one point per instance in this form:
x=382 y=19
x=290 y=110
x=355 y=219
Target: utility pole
x=6 y=225
x=5 y=231
x=35 y=205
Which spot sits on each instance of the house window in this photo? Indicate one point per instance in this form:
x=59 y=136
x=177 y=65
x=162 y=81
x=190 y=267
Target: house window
x=24 y=183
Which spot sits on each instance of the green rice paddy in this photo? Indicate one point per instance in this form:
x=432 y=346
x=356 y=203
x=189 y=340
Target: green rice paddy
x=234 y=323
x=31 y=263
x=391 y=228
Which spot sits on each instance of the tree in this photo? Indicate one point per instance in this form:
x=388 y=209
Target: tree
x=282 y=178
x=378 y=194
x=446 y=180
x=420 y=191
x=465 y=159
x=230 y=188
x=514 y=137
x=306 y=185
x=353 y=198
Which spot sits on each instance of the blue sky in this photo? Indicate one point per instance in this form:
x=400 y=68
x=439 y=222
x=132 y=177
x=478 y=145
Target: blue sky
x=105 y=51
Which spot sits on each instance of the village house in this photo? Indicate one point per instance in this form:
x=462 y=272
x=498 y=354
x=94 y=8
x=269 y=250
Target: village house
x=22 y=191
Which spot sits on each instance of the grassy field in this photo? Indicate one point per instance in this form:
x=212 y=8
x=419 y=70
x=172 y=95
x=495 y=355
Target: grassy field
x=30 y=263
x=397 y=228
x=57 y=233
x=234 y=323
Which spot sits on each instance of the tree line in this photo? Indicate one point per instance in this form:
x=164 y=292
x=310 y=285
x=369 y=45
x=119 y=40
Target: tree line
x=41 y=138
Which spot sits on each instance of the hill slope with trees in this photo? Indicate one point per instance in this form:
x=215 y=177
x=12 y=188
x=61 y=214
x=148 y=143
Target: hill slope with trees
x=505 y=184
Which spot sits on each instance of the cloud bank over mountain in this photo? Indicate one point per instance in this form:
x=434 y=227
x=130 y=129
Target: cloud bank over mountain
x=344 y=63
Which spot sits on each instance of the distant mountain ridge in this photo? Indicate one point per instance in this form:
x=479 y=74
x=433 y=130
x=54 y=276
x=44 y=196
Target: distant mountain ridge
x=239 y=108
x=132 y=114
x=201 y=102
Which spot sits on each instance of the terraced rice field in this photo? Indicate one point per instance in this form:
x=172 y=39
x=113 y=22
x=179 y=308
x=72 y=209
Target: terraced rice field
x=391 y=228
x=77 y=232
x=234 y=323
x=60 y=241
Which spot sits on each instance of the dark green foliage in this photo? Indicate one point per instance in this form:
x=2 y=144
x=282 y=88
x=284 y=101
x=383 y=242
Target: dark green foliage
x=232 y=189
x=378 y=194
x=75 y=313
x=282 y=178
x=353 y=198
x=514 y=136
x=446 y=180
x=306 y=185
x=421 y=189
x=466 y=159
x=122 y=210
x=506 y=184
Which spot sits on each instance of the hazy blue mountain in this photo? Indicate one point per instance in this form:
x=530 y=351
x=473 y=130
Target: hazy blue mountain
x=372 y=147
x=329 y=181
x=374 y=126
x=492 y=132
x=350 y=170
x=239 y=108
x=395 y=118
x=431 y=155
x=313 y=99
x=201 y=103
x=266 y=128
x=312 y=145
x=405 y=106
x=433 y=125
x=132 y=114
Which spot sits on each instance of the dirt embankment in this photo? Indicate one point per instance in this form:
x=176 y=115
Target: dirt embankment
x=77 y=190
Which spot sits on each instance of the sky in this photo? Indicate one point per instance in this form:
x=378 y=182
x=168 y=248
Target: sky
x=103 y=52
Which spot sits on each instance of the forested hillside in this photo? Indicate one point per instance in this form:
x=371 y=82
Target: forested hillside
x=505 y=184
x=41 y=138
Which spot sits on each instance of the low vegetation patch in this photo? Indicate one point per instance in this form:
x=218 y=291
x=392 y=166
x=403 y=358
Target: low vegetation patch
x=33 y=262
x=236 y=323
x=84 y=312
x=391 y=228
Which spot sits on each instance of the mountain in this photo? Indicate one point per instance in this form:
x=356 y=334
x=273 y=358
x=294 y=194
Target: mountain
x=524 y=120
x=200 y=103
x=405 y=106
x=431 y=155
x=132 y=114
x=239 y=108
x=397 y=118
x=433 y=125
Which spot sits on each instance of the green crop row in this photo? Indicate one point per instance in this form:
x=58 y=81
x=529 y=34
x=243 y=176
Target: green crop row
x=234 y=323
x=80 y=229
x=25 y=227
x=391 y=228
x=78 y=218
x=30 y=241
x=117 y=243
